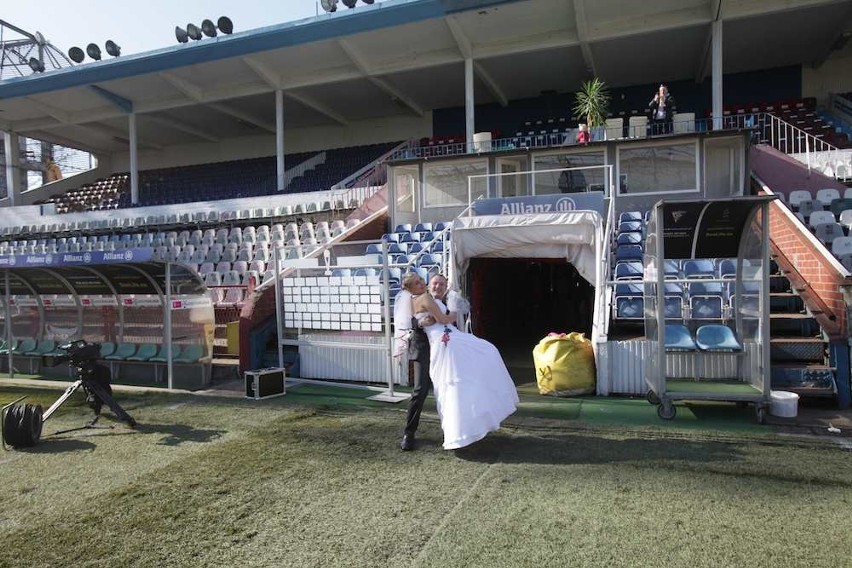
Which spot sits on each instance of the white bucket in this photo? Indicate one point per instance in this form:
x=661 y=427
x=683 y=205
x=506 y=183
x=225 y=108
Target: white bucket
x=784 y=404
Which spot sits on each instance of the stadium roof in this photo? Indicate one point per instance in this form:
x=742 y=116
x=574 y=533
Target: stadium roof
x=406 y=57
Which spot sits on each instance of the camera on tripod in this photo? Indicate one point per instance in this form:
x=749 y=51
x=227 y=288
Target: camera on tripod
x=81 y=354
x=22 y=423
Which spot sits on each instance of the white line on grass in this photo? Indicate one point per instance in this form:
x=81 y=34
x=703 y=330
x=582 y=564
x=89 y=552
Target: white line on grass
x=445 y=521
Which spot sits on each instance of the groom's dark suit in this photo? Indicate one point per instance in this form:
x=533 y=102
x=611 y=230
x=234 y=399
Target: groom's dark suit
x=418 y=354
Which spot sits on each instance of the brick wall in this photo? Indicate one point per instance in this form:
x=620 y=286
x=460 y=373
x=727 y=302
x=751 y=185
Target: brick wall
x=821 y=277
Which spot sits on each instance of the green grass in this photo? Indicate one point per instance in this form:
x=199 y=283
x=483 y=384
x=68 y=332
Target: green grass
x=316 y=479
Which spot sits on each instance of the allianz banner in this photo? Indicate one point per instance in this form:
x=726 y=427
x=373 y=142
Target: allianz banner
x=531 y=204
x=78 y=258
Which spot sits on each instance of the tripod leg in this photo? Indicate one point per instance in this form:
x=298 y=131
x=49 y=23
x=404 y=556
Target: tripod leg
x=101 y=393
x=68 y=392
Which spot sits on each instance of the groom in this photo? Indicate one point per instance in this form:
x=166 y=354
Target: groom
x=418 y=354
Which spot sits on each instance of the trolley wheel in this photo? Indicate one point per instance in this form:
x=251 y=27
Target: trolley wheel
x=666 y=410
x=22 y=425
x=760 y=412
x=652 y=397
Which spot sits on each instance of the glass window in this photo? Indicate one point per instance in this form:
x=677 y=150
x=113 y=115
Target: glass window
x=658 y=169
x=405 y=184
x=572 y=181
x=446 y=183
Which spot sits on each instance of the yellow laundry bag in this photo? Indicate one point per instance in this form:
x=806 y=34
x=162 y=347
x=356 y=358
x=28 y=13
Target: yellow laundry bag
x=565 y=365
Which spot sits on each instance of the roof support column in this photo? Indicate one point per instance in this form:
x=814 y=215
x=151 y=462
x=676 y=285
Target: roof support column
x=468 y=103
x=716 y=75
x=134 y=159
x=12 y=148
x=279 y=137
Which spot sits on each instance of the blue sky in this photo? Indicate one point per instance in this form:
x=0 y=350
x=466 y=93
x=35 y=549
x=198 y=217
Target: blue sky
x=143 y=25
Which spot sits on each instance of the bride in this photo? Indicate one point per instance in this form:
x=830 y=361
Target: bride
x=472 y=387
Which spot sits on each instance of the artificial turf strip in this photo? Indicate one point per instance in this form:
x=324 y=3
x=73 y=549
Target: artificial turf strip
x=215 y=482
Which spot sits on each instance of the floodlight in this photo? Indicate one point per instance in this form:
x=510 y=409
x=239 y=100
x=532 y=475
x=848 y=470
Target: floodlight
x=112 y=48
x=208 y=28
x=36 y=65
x=349 y=3
x=94 y=51
x=76 y=54
x=225 y=25
x=180 y=35
x=193 y=32
x=329 y=5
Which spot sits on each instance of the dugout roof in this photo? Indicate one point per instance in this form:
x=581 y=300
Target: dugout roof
x=406 y=58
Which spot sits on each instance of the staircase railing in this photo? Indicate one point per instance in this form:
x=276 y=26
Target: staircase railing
x=795 y=142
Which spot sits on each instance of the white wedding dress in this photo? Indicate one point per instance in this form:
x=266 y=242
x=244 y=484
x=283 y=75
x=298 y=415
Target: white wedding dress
x=473 y=389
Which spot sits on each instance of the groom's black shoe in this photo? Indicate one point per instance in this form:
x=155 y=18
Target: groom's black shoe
x=407 y=443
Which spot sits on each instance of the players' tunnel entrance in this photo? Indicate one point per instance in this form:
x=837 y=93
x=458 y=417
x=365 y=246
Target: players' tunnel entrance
x=517 y=301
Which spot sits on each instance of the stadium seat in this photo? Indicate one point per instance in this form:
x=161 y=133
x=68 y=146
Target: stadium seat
x=698 y=268
x=630 y=216
x=629 y=271
x=146 y=351
x=826 y=196
x=716 y=337
x=107 y=348
x=632 y=238
x=190 y=354
x=122 y=352
x=26 y=345
x=726 y=268
x=797 y=196
x=678 y=338
x=841 y=246
x=818 y=217
x=808 y=206
x=827 y=232
x=44 y=347
x=838 y=206
x=628 y=308
x=628 y=252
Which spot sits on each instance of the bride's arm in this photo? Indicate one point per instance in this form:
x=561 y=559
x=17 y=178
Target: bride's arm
x=427 y=304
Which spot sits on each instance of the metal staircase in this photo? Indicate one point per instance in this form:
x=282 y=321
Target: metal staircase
x=798 y=353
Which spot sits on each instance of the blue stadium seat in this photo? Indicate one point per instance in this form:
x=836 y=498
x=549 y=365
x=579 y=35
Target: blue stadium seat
x=671 y=269
x=628 y=290
x=678 y=338
x=632 y=238
x=630 y=216
x=673 y=307
x=726 y=268
x=630 y=308
x=631 y=270
x=715 y=337
x=631 y=226
x=628 y=252
x=698 y=268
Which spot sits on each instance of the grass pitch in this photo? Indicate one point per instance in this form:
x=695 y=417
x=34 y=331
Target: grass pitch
x=317 y=479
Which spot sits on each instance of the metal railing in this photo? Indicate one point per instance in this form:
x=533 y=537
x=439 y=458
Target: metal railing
x=766 y=127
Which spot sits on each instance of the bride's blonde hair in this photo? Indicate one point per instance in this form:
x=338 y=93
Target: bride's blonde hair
x=408 y=279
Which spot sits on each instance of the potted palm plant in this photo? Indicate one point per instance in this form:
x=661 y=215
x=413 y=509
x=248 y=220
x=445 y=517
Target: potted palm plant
x=592 y=103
